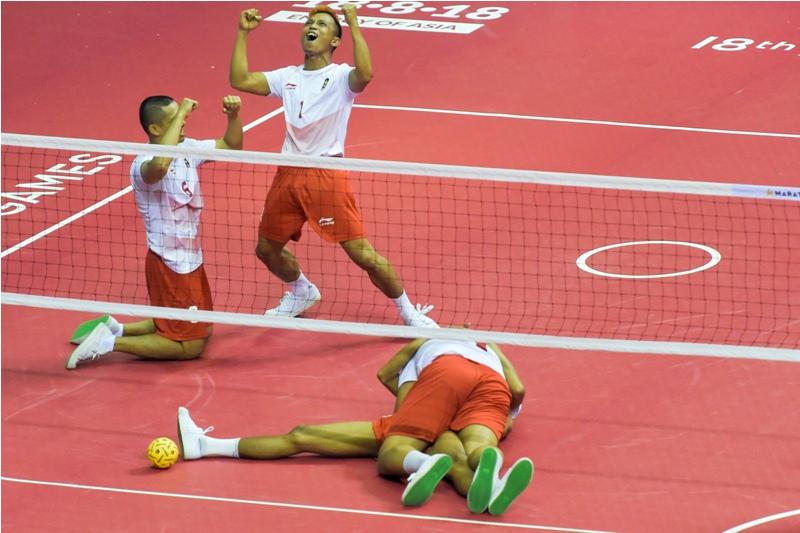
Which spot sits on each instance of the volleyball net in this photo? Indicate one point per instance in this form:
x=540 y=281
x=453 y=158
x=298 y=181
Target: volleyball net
x=525 y=257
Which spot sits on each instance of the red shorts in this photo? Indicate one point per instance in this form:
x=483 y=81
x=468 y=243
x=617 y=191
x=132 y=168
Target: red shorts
x=452 y=393
x=167 y=288
x=321 y=197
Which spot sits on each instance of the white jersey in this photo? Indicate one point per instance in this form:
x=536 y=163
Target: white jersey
x=428 y=352
x=316 y=106
x=171 y=209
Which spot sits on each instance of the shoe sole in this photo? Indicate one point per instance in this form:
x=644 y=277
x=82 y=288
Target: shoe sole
x=517 y=480
x=181 y=448
x=180 y=438
x=85 y=329
x=421 y=489
x=480 y=491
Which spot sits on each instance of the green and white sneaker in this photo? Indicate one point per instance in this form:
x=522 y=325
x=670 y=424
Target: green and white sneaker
x=511 y=485
x=423 y=482
x=483 y=481
x=83 y=331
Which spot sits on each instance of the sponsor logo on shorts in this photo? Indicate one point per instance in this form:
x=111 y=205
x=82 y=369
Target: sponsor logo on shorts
x=326 y=221
x=290 y=86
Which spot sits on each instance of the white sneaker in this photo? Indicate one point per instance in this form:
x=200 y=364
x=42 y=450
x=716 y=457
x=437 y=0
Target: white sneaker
x=417 y=317
x=292 y=305
x=89 y=349
x=190 y=435
x=423 y=482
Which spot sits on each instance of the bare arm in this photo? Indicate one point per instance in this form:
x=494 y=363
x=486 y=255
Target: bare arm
x=512 y=378
x=389 y=375
x=233 y=138
x=240 y=77
x=402 y=392
x=362 y=74
x=155 y=169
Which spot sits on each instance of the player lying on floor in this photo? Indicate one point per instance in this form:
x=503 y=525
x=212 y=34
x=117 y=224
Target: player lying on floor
x=457 y=410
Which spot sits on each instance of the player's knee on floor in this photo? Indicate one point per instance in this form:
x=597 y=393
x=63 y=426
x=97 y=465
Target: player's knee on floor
x=193 y=349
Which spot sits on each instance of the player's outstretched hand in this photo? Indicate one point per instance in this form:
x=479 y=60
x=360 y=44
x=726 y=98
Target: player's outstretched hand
x=350 y=15
x=187 y=106
x=249 y=20
x=231 y=105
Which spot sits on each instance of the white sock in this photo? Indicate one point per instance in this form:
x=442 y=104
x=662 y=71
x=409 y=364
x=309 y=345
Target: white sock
x=115 y=327
x=209 y=446
x=403 y=303
x=413 y=461
x=301 y=285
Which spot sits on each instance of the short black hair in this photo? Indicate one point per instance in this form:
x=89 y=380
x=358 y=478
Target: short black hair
x=152 y=110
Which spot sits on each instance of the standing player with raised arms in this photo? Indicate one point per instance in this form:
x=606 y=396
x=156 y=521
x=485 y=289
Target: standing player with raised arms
x=317 y=98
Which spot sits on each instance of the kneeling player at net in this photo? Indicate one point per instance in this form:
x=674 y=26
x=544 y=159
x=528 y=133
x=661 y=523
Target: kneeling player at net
x=448 y=422
x=168 y=196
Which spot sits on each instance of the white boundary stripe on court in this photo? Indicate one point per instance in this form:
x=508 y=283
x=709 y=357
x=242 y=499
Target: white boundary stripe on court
x=261 y=120
x=66 y=221
x=764 y=520
x=388 y=330
x=298 y=506
x=109 y=199
x=579 y=121
x=771 y=192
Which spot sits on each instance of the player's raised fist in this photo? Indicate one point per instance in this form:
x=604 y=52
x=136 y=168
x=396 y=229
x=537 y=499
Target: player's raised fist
x=231 y=105
x=349 y=11
x=249 y=20
x=187 y=106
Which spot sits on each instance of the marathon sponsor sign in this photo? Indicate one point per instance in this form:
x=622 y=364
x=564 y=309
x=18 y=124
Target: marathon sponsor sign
x=783 y=193
x=386 y=23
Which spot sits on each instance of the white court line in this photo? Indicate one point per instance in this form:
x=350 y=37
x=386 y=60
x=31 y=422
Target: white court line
x=764 y=520
x=578 y=121
x=66 y=221
x=263 y=119
x=110 y=199
x=298 y=506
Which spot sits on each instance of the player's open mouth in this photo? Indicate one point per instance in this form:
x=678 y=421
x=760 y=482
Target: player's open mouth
x=311 y=36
